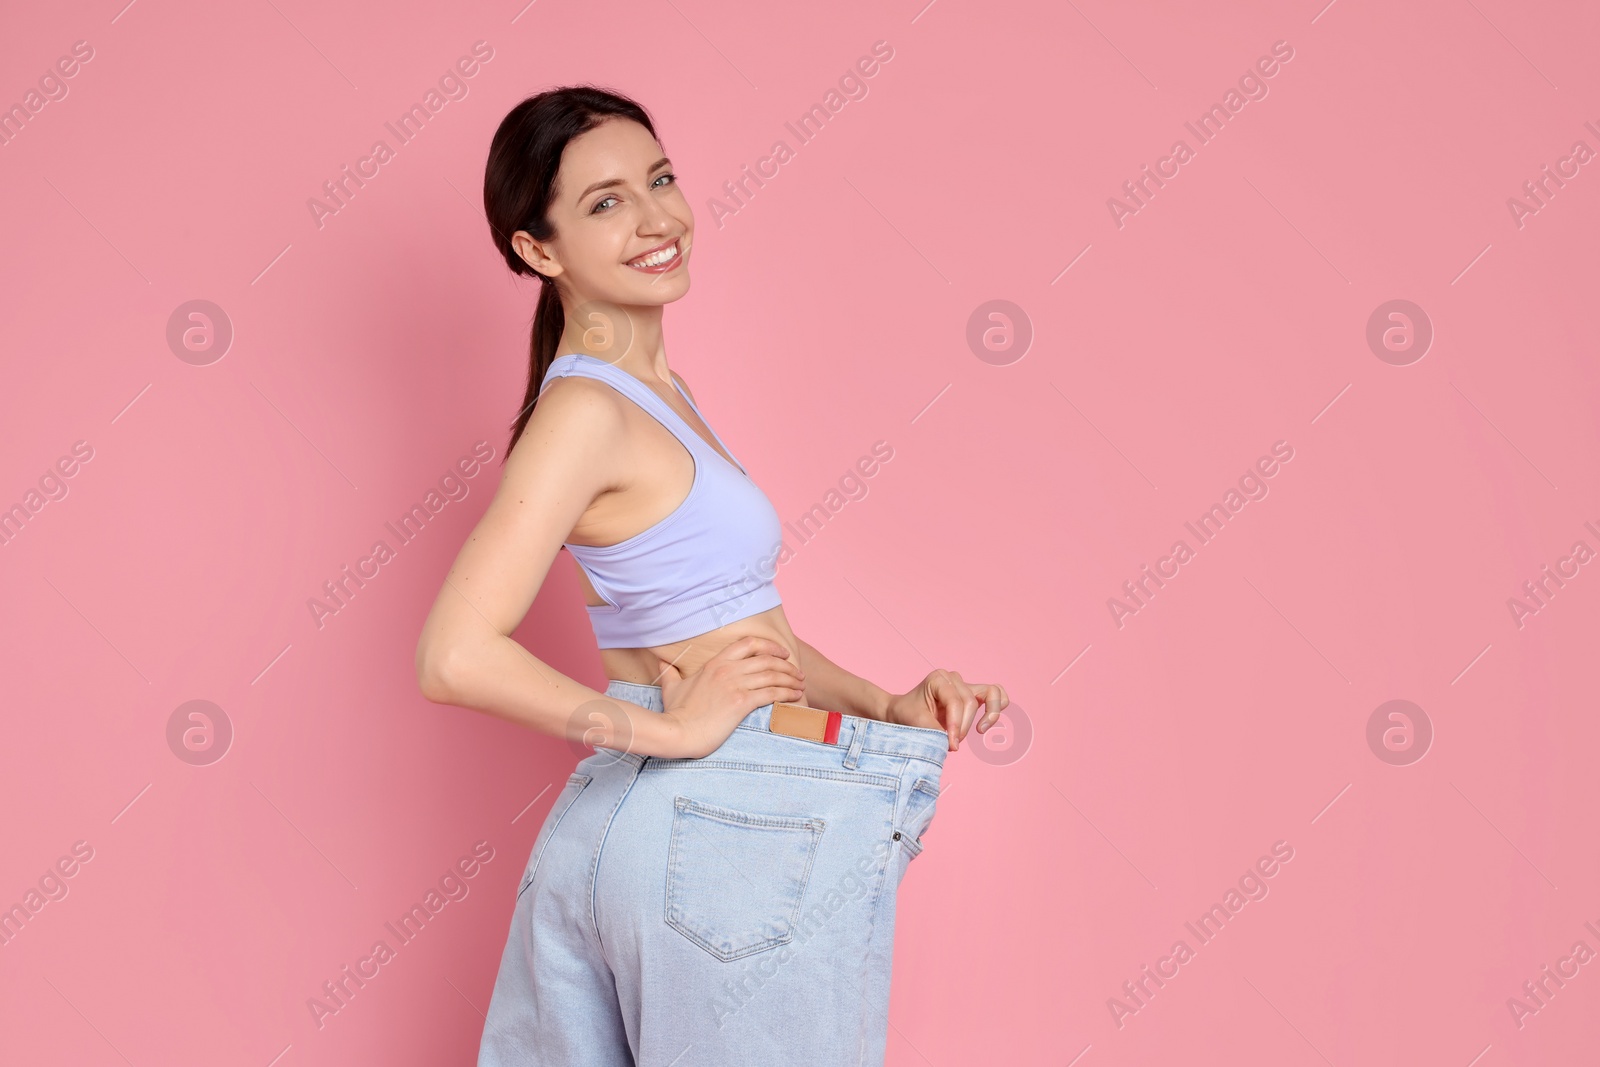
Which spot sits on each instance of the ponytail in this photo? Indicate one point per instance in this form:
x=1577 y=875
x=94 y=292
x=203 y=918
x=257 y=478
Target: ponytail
x=519 y=183
x=549 y=321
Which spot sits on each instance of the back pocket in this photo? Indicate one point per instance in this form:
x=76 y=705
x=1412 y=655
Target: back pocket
x=558 y=811
x=735 y=879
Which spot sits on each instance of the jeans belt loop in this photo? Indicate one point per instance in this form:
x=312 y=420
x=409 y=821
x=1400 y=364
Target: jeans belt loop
x=858 y=737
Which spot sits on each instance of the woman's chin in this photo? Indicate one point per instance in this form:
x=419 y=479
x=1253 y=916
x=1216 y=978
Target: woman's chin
x=662 y=289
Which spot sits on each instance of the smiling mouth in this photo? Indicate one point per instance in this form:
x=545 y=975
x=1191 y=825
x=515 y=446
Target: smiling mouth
x=660 y=258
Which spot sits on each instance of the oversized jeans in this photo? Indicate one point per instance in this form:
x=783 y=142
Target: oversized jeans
x=731 y=911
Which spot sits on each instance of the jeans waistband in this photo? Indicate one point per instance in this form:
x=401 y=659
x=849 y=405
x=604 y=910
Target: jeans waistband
x=882 y=737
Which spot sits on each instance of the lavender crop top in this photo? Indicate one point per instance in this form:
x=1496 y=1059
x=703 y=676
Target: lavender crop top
x=710 y=562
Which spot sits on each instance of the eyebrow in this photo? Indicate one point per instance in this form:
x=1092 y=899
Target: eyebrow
x=658 y=164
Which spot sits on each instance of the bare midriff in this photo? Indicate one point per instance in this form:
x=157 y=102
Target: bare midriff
x=644 y=665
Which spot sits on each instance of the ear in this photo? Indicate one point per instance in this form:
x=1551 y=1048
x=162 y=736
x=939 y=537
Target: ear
x=534 y=254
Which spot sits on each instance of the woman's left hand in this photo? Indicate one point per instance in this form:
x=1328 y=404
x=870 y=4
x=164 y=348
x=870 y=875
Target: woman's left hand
x=944 y=702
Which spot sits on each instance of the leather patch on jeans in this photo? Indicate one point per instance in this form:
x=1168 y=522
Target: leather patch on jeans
x=797 y=720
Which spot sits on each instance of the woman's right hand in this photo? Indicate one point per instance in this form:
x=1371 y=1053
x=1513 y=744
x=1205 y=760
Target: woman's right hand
x=703 y=710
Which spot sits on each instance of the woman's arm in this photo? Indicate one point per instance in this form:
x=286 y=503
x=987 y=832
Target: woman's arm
x=830 y=686
x=466 y=655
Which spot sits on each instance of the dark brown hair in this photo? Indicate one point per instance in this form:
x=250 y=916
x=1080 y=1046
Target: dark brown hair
x=519 y=183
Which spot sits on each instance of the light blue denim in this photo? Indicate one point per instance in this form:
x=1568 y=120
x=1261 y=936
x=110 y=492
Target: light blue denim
x=729 y=911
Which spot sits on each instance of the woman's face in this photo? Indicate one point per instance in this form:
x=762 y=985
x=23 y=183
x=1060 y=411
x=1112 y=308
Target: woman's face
x=622 y=226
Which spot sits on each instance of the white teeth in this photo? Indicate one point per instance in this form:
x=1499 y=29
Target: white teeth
x=655 y=259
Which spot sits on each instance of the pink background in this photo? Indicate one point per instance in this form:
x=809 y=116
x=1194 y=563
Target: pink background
x=829 y=312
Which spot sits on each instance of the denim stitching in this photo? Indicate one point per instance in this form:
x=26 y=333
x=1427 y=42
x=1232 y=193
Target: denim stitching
x=813 y=825
x=872 y=914
x=860 y=777
x=599 y=847
x=735 y=817
x=582 y=782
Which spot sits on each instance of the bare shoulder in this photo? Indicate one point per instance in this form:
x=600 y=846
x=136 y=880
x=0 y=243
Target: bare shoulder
x=683 y=384
x=576 y=425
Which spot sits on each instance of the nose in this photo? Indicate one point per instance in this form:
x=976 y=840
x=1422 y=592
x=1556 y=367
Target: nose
x=654 y=218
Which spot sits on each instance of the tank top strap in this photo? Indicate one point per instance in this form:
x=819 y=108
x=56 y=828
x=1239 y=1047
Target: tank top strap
x=587 y=366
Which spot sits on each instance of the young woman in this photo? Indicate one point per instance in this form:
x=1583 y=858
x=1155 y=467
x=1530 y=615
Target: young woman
x=716 y=883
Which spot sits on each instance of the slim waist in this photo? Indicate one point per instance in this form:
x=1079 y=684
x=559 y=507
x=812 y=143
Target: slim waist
x=884 y=738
